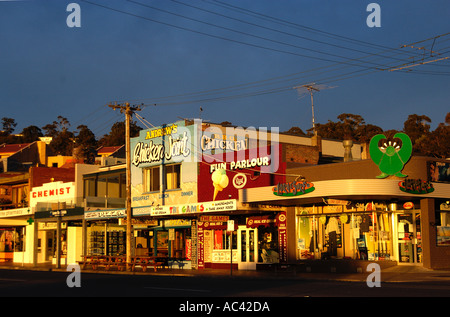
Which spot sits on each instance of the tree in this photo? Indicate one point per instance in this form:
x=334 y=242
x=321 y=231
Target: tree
x=9 y=124
x=85 y=142
x=117 y=134
x=31 y=134
x=295 y=131
x=62 y=140
x=349 y=127
x=437 y=142
x=417 y=127
x=63 y=143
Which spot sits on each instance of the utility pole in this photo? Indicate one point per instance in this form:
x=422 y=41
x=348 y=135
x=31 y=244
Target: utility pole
x=128 y=110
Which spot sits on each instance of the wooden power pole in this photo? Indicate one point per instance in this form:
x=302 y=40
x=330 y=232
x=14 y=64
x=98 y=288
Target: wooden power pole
x=128 y=110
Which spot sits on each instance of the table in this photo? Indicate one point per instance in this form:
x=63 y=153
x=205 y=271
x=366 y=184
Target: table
x=103 y=260
x=145 y=261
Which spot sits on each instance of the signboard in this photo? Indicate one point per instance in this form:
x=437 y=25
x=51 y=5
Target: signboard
x=223 y=175
x=293 y=188
x=390 y=155
x=162 y=145
x=105 y=214
x=230 y=225
x=183 y=209
x=52 y=192
x=416 y=186
x=15 y=212
x=282 y=236
x=439 y=171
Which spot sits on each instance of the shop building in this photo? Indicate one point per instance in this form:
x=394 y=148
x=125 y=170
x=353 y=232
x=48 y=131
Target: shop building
x=104 y=195
x=186 y=179
x=343 y=211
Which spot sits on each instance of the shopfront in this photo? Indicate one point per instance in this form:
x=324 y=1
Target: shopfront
x=13 y=235
x=374 y=231
x=105 y=232
x=244 y=242
x=402 y=220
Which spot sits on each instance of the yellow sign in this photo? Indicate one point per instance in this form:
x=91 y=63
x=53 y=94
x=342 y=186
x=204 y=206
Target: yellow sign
x=168 y=130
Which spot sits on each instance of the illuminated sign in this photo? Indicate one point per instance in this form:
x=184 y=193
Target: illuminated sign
x=416 y=186
x=293 y=188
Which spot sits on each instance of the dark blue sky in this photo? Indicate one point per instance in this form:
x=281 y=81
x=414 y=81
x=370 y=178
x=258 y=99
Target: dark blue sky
x=238 y=60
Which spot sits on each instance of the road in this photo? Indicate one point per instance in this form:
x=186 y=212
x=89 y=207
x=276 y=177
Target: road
x=174 y=292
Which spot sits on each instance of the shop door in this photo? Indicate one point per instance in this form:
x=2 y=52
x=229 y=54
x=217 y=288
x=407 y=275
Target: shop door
x=247 y=248
x=409 y=238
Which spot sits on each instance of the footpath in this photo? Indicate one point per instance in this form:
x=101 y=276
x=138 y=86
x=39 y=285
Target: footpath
x=393 y=274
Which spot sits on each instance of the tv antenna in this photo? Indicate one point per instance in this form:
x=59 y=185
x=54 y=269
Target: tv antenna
x=311 y=89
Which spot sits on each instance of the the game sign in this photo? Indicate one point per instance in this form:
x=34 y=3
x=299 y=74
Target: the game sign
x=295 y=188
x=416 y=186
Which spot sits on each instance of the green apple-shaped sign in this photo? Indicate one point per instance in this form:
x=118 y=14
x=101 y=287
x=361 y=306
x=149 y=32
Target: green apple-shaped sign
x=390 y=155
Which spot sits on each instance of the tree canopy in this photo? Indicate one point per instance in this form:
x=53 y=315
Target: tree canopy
x=83 y=141
x=353 y=127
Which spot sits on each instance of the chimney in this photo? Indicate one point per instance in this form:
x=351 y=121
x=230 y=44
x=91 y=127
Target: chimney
x=348 y=144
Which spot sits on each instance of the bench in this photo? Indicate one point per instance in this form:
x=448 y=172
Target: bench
x=144 y=262
x=116 y=261
x=93 y=260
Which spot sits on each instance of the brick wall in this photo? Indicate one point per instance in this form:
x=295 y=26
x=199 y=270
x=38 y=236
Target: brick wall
x=297 y=153
x=41 y=175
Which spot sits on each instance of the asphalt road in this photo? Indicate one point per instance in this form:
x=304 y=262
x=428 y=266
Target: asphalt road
x=178 y=293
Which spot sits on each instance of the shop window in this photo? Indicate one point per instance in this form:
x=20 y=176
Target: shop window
x=89 y=187
x=443 y=228
x=11 y=239
x=222 y=240
x=106 y=240
x=173 y=173
x=151 y=179
x=113 y=186
x=162 y=243
x=20 y=196
x=268 y=245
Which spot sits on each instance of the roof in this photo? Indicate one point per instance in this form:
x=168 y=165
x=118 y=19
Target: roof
x=108 y=149
x=12 y=148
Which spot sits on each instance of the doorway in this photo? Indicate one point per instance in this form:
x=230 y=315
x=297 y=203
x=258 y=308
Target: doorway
x=409 y=237
x=247 y=248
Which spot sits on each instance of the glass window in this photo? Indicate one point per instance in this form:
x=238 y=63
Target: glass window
x=101 y=187
x=443 y=228
x=151 y=179
x=173 y=173
x=113 y=187
x=89 y=187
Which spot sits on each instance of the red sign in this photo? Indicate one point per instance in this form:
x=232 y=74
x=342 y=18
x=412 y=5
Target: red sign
x=219 y=180
x=255 y=222
x=408 y=205
x=51 y=192
x=188 y=249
